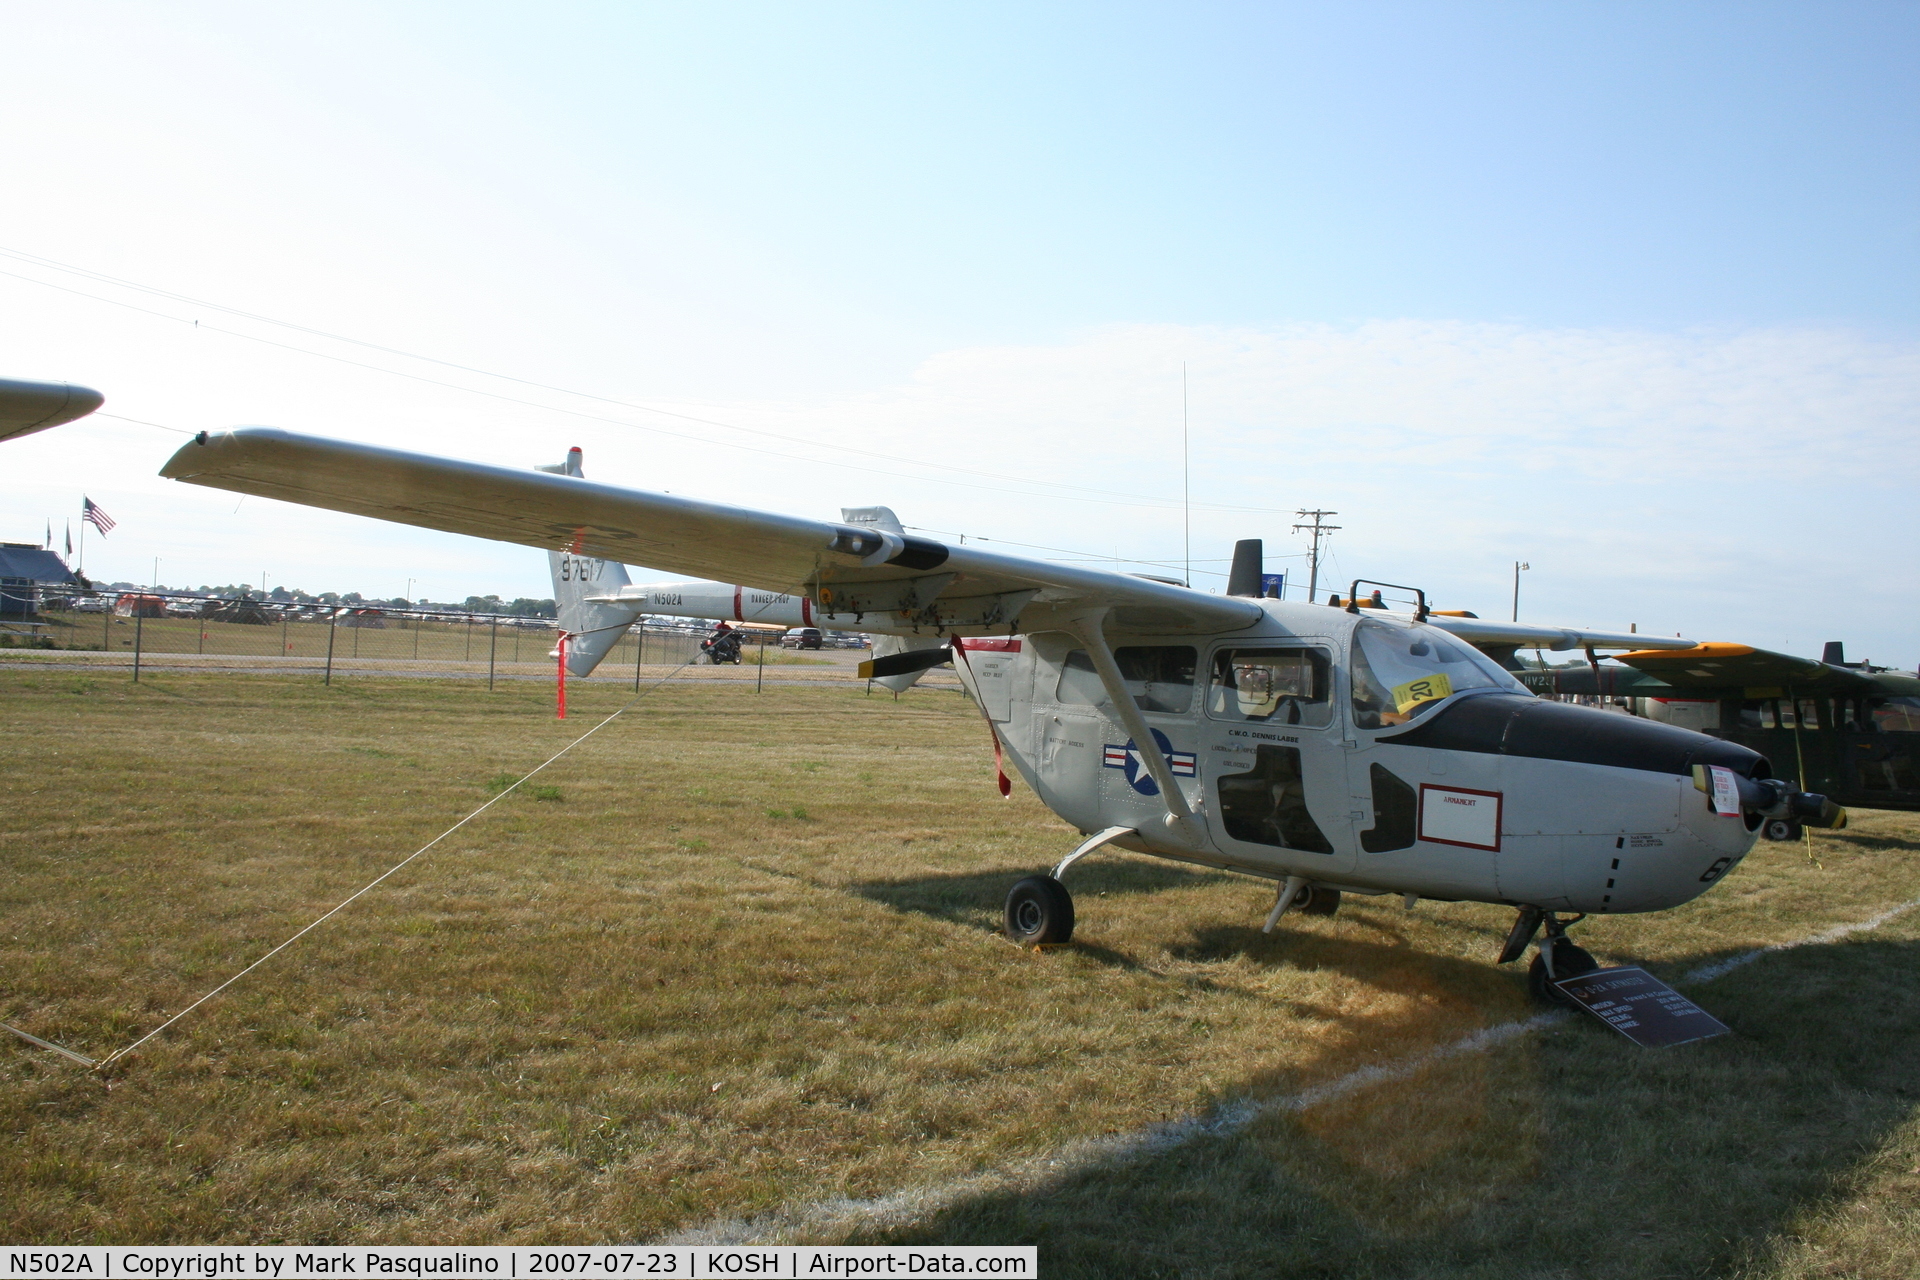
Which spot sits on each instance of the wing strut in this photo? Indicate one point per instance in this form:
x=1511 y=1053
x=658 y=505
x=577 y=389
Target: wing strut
x=1181 y=827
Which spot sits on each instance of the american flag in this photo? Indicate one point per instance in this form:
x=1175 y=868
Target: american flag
x=94 y=515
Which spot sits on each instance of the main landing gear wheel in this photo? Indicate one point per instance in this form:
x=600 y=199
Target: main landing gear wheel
x=1569 y=961
x=1039 y=912
x=1780 y=829
x=1319 y=902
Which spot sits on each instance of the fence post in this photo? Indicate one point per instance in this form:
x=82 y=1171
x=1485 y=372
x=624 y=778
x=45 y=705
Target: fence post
x=493 y=643
x=106 y=629
x=284 y=646
x=760 y=680
x=139 y=625
x=333 y=620
x=639 y=652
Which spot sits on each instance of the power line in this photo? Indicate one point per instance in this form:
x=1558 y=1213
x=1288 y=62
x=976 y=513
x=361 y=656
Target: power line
x=1101 y=495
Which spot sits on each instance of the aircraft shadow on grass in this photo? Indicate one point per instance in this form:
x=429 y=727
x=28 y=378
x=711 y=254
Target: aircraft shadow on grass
x=977 y=897
x=1568 y=1151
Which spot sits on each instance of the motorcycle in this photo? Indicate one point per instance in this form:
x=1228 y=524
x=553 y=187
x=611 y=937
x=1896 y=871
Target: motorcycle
x=722 y=648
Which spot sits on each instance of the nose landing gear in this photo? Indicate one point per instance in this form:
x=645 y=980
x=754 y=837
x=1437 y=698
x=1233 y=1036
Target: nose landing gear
x=1558 y=957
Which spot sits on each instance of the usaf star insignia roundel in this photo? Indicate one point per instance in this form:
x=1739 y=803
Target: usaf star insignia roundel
x=1128 y=758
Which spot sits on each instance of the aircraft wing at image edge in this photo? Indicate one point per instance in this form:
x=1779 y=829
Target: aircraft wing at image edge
x=850 y=569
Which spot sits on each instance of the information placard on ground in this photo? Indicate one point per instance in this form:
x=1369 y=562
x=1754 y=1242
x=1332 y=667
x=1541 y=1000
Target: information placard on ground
x=1642 y=1008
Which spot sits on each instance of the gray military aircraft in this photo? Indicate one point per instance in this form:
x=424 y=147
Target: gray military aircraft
x=1328 y=750
x=597 y=602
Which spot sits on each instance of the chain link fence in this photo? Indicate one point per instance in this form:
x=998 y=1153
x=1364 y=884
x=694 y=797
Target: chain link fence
x=150 y=631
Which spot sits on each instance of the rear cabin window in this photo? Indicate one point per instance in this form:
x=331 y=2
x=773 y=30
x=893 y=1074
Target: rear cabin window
x=1160 y=678
x=1280 y=684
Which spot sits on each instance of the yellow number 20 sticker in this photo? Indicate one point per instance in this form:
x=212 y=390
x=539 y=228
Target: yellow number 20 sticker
x=1425 y=689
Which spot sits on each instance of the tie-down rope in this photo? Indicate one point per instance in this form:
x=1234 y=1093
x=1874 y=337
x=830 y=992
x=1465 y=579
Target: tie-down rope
x=101 y=1064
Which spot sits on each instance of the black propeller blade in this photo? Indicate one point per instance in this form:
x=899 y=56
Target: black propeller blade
x=900 y=664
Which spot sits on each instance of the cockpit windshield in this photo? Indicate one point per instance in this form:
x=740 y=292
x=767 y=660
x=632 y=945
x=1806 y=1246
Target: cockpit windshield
x=1400 y=672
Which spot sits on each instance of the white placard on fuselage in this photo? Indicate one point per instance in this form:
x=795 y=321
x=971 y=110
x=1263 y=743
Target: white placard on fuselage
x=1455 y=815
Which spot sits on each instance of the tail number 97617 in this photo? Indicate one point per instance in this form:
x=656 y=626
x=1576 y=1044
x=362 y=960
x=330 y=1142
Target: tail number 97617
x=579 y=569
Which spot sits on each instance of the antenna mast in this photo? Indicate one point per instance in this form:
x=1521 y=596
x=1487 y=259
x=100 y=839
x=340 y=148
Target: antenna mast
x=1313 y=559
x=1186 y=498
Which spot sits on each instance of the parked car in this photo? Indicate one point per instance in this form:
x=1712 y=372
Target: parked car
x=801 y=638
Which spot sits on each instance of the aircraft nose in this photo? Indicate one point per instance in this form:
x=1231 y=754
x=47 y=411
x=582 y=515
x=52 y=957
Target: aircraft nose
x=1512 y=725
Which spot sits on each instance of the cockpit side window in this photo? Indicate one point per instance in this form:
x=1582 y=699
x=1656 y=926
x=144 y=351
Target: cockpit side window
x=1160 y=678
x=1897 y=715
x=1280 y=684
x=1400 y=672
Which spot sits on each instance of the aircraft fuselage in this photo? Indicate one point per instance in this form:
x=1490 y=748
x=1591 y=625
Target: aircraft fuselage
x=1364 y=755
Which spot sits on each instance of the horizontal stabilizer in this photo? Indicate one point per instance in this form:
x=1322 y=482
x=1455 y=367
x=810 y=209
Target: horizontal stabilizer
x=900 y=664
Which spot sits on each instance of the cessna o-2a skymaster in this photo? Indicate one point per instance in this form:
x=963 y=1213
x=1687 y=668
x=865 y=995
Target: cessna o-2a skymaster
x=1330 y=750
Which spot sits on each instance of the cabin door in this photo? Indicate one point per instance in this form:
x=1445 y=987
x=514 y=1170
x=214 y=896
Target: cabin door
x=1276 y=769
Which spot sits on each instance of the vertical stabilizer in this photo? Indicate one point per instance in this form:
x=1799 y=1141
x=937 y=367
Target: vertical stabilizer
x=594 y=627
x=1248 y=568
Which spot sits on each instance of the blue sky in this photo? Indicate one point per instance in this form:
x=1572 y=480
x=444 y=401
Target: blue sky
x=1628 y=291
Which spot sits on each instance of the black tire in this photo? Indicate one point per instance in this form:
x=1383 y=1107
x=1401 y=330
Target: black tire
x=1569 y=961
x=1319 y=902
x=1039 y=912
x=1780 y=829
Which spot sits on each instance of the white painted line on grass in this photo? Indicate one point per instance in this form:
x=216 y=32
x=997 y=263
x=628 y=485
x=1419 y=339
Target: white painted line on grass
x=1084 y=1155
x=1708 y=972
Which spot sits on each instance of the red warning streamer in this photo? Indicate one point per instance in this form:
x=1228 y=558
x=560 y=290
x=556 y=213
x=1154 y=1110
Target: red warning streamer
x=1000 y=777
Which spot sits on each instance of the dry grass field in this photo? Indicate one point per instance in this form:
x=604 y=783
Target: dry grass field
x=737 y=956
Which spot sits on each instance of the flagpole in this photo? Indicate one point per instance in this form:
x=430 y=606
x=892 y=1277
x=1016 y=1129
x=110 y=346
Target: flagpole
x=82 y=570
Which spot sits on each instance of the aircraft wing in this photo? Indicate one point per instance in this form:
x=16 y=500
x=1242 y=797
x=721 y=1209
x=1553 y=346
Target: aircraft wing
x=874 y=578
x=1485 y=634
x=1725 y=666
x=27 y=407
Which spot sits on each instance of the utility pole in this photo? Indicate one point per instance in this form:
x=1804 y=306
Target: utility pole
x=1518 y=565
x=1313 y=559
